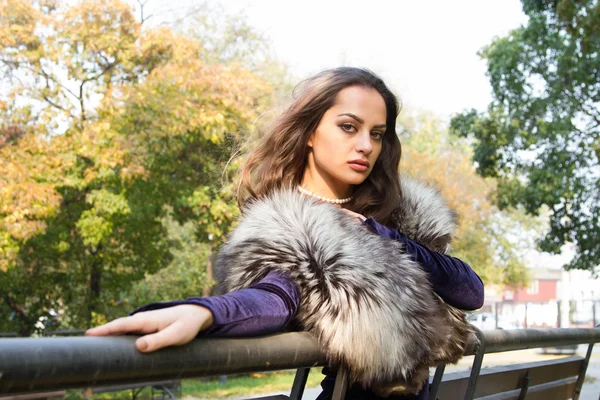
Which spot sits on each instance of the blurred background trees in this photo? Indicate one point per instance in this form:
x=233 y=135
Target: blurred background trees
x=114 y=141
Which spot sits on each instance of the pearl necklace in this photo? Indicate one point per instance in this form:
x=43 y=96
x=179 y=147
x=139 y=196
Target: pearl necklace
x=325 y=199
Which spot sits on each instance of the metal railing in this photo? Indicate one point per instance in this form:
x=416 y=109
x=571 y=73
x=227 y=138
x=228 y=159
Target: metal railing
x=30 y=365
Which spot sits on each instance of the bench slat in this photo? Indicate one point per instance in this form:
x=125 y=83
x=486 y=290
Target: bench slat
x=562 y=389
x=495 y=380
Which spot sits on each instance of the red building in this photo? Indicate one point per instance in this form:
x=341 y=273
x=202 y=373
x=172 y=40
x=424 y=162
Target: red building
x=540 y=290
x=536 y=305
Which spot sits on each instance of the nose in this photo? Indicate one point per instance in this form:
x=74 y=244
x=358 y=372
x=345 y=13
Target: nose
x=363 y=143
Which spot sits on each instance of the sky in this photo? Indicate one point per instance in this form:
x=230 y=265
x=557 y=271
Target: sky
x=425 y=50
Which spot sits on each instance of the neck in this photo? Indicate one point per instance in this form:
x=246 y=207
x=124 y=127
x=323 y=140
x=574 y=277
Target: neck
x=317 y=184
x=321 y=183
x=337 y=202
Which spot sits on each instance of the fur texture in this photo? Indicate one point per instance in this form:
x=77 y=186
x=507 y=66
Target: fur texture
x=371 y=308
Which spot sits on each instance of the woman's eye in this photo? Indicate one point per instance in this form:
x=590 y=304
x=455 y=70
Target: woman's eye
x=347 y=127
x=377 y=135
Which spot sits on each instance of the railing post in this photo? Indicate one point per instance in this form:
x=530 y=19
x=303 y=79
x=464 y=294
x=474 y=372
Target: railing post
x=582 y=371
x=299 y=383
x=341 y=384
x=524 y=386
x=476 y=367
x=437 y=379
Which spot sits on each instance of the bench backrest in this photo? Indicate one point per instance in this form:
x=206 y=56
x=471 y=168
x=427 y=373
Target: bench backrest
x=543 y=379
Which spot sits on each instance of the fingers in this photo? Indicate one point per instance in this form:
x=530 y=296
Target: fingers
x=135 y=323
x=173 y=326
x=175 y=334
x=360 y=217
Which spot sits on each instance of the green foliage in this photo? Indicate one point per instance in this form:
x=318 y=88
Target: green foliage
x=113 y=144
x=541 y=134
x=184 y=277
x=92 y=225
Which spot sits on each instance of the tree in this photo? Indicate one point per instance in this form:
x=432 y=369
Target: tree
x=486 y=238
x=540 y=136
x=107 y=129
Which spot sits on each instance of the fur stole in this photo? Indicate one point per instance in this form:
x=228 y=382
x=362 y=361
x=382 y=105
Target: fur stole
x=370 y=306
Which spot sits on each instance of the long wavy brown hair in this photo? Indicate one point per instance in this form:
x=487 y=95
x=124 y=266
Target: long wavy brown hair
x=280 y=158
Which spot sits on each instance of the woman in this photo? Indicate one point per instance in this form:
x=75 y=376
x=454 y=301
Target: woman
x=333 y=153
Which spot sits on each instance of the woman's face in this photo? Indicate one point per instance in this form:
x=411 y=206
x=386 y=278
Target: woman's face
x=348 y=140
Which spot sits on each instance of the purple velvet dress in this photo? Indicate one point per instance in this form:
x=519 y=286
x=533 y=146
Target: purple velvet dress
x=268 y=306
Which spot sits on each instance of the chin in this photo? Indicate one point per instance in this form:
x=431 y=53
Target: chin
x=356 y=179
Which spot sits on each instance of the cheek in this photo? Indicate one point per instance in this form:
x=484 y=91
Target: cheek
x=377 y=151
x=326 y=142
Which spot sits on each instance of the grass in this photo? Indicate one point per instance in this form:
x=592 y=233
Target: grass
x=248 y=385
x=236 y=386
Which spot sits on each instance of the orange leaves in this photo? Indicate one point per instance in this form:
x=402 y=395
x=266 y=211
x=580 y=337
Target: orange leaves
x=17 y=28
x=188 y=98
x=109 y=152
x=97 y=29
x=26 y=190
x=34 y=169
x=24 y=205
x=26 y=196
x=105 y=129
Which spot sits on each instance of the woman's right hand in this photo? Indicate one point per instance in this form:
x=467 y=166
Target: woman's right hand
x=170 y=326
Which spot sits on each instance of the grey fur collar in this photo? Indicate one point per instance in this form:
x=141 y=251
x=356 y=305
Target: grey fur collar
x=371 y=307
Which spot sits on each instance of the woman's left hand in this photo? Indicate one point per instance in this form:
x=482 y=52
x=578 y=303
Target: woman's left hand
x=359 y=218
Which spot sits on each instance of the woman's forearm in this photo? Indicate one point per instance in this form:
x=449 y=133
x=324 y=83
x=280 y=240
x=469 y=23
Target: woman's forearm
x=266 y=307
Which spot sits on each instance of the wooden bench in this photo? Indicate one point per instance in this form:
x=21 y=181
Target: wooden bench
x=555 y=379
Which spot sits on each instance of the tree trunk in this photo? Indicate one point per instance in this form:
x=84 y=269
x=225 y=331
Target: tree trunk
x=94 y=286
x=25 y=325
x=209 y=277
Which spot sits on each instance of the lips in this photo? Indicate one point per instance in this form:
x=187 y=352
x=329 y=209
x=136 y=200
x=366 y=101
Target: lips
x=359 y=165
x=360 y=162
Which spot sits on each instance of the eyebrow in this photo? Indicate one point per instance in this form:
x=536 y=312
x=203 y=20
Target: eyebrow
x=360 y=120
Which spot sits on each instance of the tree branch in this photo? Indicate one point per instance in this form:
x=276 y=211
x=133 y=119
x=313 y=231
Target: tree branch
x=20 y=313
x=53 y=104
x=48 y=77
x=104 y=71
x=81 y=102
x=142 y=4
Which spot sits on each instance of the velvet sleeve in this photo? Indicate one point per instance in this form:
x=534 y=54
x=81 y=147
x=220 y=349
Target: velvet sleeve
x=452 y=279
x=264 y=308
